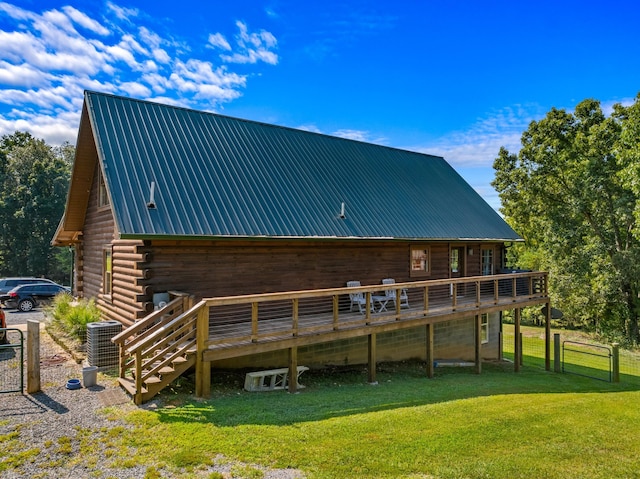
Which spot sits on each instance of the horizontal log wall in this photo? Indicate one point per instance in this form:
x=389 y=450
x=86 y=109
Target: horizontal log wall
x=129 y=300
x=223 y=268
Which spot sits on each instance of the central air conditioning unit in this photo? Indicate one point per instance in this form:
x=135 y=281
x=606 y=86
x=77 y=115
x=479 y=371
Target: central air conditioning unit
x=101 y=352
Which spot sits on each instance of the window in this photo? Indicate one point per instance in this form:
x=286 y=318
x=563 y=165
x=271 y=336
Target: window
x=487 y=262
x=419 y=261
x=484 y=328
x=103 y=198
x=107 y=268
x=455 y=260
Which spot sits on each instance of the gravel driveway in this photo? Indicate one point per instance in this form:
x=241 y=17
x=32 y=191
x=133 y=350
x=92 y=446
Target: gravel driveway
x=52 y=425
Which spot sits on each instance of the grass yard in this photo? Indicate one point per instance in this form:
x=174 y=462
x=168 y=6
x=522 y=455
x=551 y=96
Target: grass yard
x=499 y=424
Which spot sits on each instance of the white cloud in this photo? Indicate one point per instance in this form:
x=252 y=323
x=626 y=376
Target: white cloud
x=122 y=13
x=480 y=144
x=21 y=75
x=135 y=89
x=254 y=47
x=217 y=40
x=47 y=59
x=83 y=20
x=309 y=127
x=352 y=134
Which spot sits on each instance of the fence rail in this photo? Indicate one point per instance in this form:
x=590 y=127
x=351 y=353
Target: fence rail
x=588 y=360
x=11 y=361
x=532 y=340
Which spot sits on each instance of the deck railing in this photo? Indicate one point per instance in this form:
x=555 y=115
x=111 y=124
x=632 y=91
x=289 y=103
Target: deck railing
x=251 y=319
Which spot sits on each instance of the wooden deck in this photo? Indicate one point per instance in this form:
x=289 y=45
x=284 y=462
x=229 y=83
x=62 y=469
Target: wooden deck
x=244 y=325
x=235 y=326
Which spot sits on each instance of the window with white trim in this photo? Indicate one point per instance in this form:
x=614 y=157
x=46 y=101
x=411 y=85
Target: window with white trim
x=487 y=261
x=107 y=271
x=484 y=328
x=420 y=261
x=103 y=197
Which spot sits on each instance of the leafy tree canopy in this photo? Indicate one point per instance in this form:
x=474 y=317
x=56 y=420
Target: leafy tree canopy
x=572 y=192
x=34 y=178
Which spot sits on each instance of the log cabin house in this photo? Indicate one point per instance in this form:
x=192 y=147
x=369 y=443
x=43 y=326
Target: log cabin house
x=236 y=240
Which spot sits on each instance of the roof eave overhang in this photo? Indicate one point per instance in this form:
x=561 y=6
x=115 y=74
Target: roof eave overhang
x=170 y=237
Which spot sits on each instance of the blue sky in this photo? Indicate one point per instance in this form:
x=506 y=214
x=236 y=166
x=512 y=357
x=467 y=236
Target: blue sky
x=452 y=78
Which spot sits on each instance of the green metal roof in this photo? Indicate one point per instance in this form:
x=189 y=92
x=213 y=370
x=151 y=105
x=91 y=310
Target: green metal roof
x=216 y=176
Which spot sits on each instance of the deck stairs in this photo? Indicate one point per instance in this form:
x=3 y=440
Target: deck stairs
x=157 y=350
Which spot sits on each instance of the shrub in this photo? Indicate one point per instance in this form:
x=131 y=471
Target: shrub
x=73 y=316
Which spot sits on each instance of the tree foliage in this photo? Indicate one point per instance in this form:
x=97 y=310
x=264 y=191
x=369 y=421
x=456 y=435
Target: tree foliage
x=34 y=178
x=572 y=192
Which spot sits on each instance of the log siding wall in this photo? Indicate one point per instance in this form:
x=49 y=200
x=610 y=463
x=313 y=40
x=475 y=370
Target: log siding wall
x=127 y=301
x=226 y=268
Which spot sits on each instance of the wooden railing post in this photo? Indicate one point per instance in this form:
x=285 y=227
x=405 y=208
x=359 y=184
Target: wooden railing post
x=254 y=322
x=336 y=316
x=426 y=299
x=123 y=360
x=478 y=297
x=295 y=307
x=138 y=364
x=203 y=368
x=367 y=297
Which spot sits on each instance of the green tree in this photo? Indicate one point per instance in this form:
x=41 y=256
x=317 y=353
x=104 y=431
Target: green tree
x=34 y=178
x=567 y=192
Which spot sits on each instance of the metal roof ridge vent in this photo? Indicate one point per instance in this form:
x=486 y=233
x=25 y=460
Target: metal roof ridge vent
x=342 y=214
x=152 y=201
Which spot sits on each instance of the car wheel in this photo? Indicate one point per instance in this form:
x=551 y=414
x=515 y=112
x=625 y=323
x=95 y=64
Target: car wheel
x=26 y=305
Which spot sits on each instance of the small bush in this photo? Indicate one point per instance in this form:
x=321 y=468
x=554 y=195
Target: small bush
x=73 y=316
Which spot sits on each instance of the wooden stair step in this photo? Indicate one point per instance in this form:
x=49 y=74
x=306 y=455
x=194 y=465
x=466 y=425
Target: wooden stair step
x=130 y=386
x=153 y=380
x=166 y=370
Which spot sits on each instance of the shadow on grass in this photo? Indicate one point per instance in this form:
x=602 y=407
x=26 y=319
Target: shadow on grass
x=342 y=392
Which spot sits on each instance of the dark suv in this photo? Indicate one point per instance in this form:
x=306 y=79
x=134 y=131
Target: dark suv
x=28 y=296
x=7 y=284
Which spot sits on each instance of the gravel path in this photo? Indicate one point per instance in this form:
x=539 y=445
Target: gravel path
x=41 y=434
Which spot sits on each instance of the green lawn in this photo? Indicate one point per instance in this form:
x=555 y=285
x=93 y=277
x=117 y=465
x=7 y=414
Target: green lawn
x=533 y=424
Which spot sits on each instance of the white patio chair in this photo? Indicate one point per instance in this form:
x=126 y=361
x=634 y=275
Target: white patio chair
x=391 y=293
x=359 y=299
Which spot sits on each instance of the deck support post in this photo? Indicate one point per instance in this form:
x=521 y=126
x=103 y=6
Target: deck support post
x=517 y=347
x=371 y=358
x=203 y=368
x=547 y=338
x=478 y=348
x=430 y=358
x=293 y=370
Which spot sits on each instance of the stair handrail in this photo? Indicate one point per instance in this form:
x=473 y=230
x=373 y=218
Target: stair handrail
x=160 y=329
x=144 y=323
